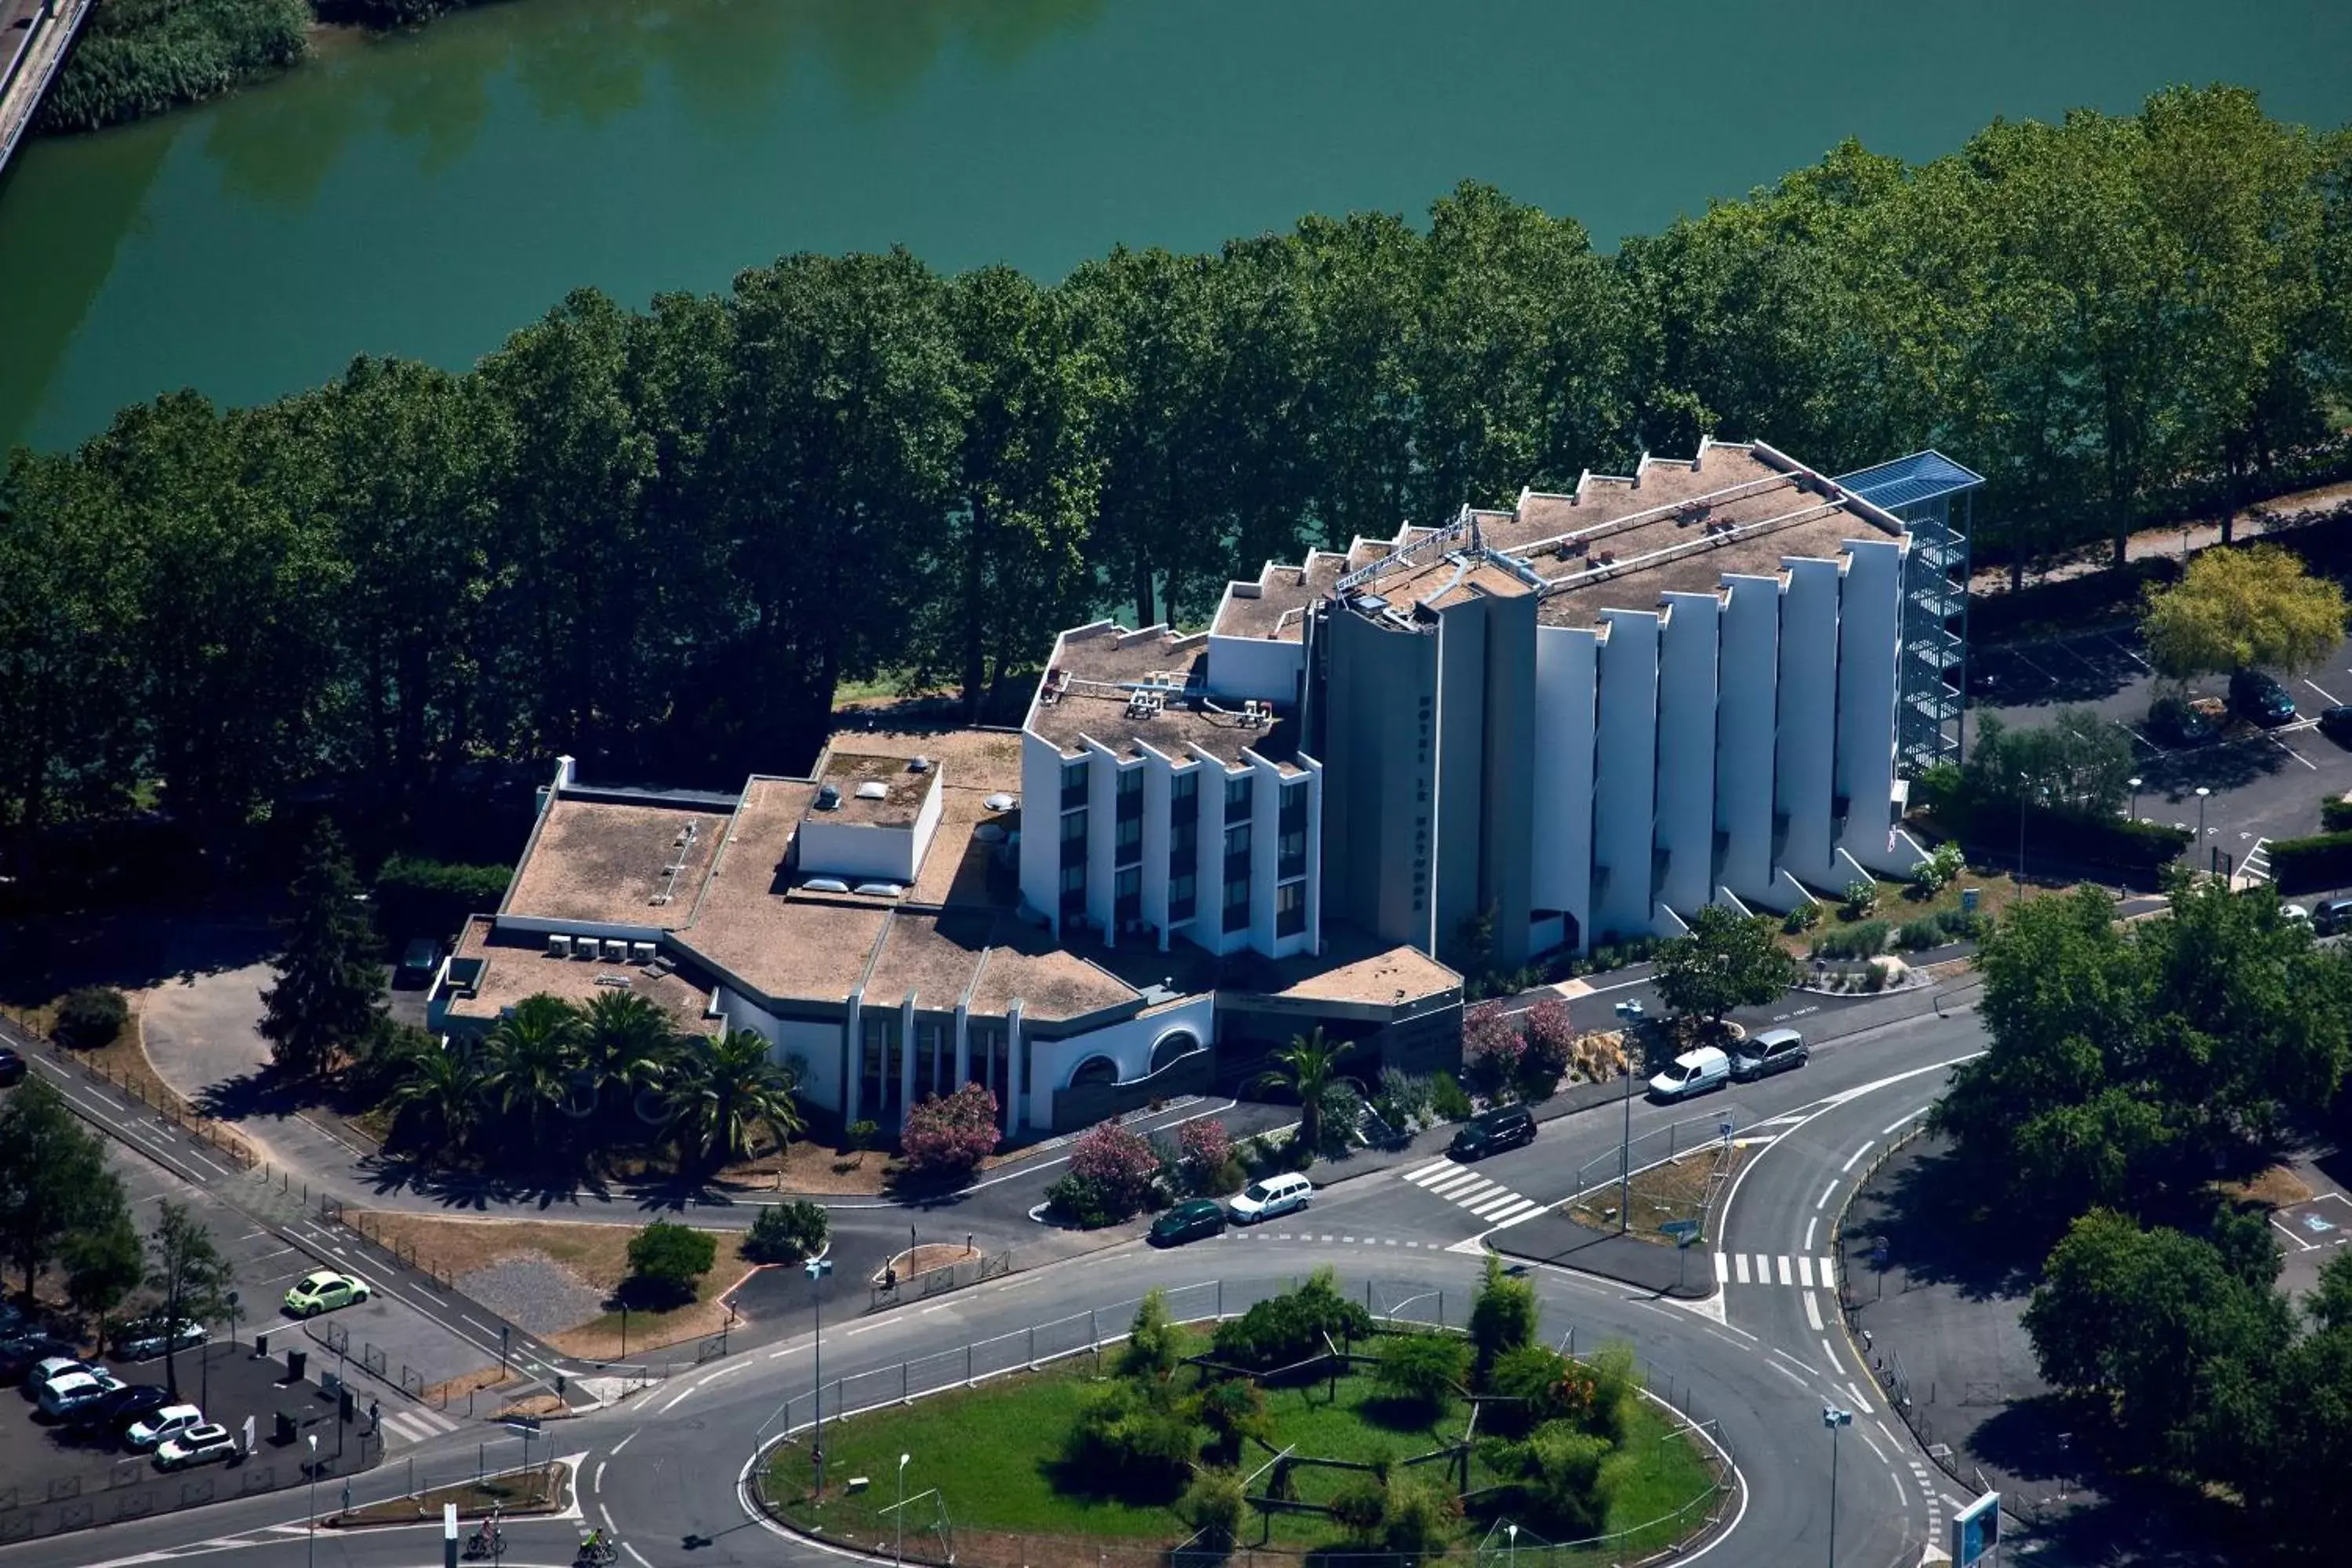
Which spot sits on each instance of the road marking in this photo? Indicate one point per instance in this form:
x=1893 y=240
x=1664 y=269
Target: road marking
x=1016 y=1284
x=596 y=1481
x=1829 y=1273
x=1859 y=1401
x=484 y=1327
x=1888 y=1130
x=861 y=1328
x=1429 y=1171
x=675 y=1400
x=1520 y=1210
x=622 y=1443
x=1784 y=1372
x=1812 y=1314
x=1822 y=1202
x=1722 y=1270
x=1784 y=1267
x=2323 y=692
x=635 y=1553
x=1809 y=1231
x=1855 y=1158
x=1763 y=1269
x=1739 y=1261
x=1827 y=1352
x=608 y=1518
x=1882 y=1459
x=1804 y=1274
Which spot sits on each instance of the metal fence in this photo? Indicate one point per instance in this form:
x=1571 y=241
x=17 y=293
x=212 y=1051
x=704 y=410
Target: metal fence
x=1091 y=1333
x=940 y=1281
x=134 y=1489
x=1653 y=1148
x=157 y=1099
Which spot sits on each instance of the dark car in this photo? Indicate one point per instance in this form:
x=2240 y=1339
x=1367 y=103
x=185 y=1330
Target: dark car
x=119 y=1409
x=2335 y=723
x=11 y=1067
x=1773 y=1051
x=1189 y=1222
x=2261 y=699
x=1492 y=1131
x=2331 y=917
x=2176 y=722
x=21 y=1355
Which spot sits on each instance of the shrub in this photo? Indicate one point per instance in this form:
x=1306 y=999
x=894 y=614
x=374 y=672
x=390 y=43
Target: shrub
x=1860 y=899
x=1566 y=1479
x=1936 y=872
x=1864 y=939
x=1120 y=1162
x=1873 y=978
x=1803 y=918
x=665 y=1260
x=862 y=1134
x=1550 y=1046
x=1343 y=1114
x=92 y=1017
x=1421 y=1517
x=432 y=897
x=1126 y=1443
x=1214 y=1505
x=1502 y=1317
x=1492 y=1046
x=1207 y=1149
x=1233 y=1410
x=1606 y=957
x=1285 y=1329
x=949 y=1136
x=1531 y=1386
x=1360 y=1506
x=787 y=1233
x=1447 y=1099
x=1080 y=1201
x=1404 y=1101
x=2336 y=814
x=2321 y=861
x=1423 y=1370
x=1961 y=925
x=1917 y=936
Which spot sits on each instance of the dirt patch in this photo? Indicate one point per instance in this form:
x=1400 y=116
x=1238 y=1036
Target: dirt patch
x=807 y=1167
x=2274 y=1188
x=1681 y=1189
x=928 y=1258
x=537 y=1490
x=455 y=1388
x=534 y=1291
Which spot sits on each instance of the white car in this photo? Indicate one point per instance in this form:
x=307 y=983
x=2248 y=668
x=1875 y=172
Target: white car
x=1275 y=1196
x=168 y=1422
x=196 y=1446
x=63 y=1395
x=48 y=1369
x=1693 y=1072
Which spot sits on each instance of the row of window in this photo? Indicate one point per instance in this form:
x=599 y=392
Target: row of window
x=1127 y=898
x=1184 y=793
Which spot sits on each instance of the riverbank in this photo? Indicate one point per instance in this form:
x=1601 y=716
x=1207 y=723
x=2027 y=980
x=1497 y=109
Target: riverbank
x=140 y=57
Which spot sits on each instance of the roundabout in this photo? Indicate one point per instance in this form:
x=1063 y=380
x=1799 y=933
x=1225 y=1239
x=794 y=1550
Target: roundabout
x=669 y=1472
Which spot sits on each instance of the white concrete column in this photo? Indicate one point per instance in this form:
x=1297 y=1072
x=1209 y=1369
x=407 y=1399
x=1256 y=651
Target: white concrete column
x=906 y=1058
x=1625 y=771
x=1686 y=705
x=1560 y=837
x=1747 y=699
x=1806 y=745
x=1870 y=618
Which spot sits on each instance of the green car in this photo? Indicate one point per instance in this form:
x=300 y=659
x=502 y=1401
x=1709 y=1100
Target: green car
x=323 y=1293
x=1188 y=1221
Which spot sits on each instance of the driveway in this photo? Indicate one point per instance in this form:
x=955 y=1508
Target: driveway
x=200 y=1027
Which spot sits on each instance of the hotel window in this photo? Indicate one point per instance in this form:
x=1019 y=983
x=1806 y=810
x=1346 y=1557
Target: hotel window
x=1074 y=783
x=1073 y=889
x=1293 y=847
x=1129 y=896
x=1131 y=792
x=1237 y=796
x=1237 y=911
x=1237 y=850
x=1290 y=909
x=1129 y=840
x=1074 y=838
x=1180 y=898
x=1184 y=794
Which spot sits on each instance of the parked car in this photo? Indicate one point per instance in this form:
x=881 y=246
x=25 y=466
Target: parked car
x=2261 y=699
x=147 y=1339
x=323 y=1291
x=417 y=962
x=168 y=1422
x=135 y=1402
x=11 y=1067
x=1772 y=1051
x=1693 y=1072
x=62 y=1396
x=196 y=1446
x=49 y=1368
x=2176 y=722
x=1492 y=1131
x=1189 y=1222
x=19 y=1356
x=1262 y=1200
x=2335 y=723
x=2330 y=916
x=2295 y=912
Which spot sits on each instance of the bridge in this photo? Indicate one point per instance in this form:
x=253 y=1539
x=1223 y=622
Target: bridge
x=34 y=37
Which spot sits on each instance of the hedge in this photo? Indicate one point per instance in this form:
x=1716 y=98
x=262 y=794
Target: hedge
x=416 y=897
x=2336 y=814
x=2321 y=861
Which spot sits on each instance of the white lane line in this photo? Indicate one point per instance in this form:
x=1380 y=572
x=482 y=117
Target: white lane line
x=596 y=1481
x=1016 y=1284
x=1829 y=1274
x=1804 y=1272
x=608 y=1518
x=1722 y=1270
x=675 y=1400
x=1881 y=1456
x=1812 y=1313
x=1792 y=1360
x=1855 y=1158
x=622 y=1443
x=926 y=1312
x=635 y=1553
x=1783 y=1261
x=2323 y=691
x=1883 y=1431
x=1859 y=1401
x=484 y=1327
x=1827 y=1352
x=1784 y=1372
x=862 y=1329
x=1809 y=1231
x=1822 y=1201
x=1888 y=1130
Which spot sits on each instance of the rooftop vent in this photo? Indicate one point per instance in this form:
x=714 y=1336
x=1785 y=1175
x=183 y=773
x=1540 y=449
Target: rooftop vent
x=828 y=798
x=824 y=885
x=999 y=801
x=881 y=889
x=620 y=982
x=919 y=765
x=874 y=789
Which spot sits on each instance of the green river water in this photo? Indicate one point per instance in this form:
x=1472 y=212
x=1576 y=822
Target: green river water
x=425 y=195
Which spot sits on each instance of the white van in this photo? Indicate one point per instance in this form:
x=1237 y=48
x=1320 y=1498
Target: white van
x=1265 y=1199
x=1693 y=1072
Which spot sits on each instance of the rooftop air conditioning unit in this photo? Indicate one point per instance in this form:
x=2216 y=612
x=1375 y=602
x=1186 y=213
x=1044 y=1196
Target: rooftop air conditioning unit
x=615 y=951
x=828 y=798
x=641 y=952
x=558 y=946
x=584 y=947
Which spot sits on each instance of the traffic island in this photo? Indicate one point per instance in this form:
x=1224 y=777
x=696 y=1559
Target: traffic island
x=539 y=1490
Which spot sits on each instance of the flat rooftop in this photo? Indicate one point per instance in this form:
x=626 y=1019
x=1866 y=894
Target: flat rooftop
x=1273 y=607
x=1103 y=663
x=610 y=862
x=1353 y=967
x=873 y=791
x=749 y=921
x=520 y=966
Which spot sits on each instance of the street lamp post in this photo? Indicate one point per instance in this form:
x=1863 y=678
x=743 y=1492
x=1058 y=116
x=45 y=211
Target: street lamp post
x=816 y=1268
x=314 y=1498
x=625 y=1331
x=899 y=1552
x=1632 y=1013
x=1833 y=1418
x=2135 y=804
x=2203 y=793
x=1513 y=1530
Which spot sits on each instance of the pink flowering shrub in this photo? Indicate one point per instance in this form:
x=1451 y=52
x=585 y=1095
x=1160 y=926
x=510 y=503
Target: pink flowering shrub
x=1122 y=1166
x=951 y=1135
x=1492 y=1048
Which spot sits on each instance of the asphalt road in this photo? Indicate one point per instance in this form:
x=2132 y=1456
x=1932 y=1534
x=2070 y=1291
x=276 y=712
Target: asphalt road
x=663 y=1468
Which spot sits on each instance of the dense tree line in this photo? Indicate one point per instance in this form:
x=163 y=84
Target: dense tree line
x=661 y=539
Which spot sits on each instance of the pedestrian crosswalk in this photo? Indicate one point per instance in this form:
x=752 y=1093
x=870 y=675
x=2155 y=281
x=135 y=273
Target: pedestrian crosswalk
x=1803 y=1271
x=417 y=1425
x=1488 y=1201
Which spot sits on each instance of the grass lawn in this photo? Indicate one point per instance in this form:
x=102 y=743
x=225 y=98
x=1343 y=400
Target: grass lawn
x=993 y=1452
x=1899 y=903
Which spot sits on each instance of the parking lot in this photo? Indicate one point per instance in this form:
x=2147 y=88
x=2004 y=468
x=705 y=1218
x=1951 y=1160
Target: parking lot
x=2265 y=784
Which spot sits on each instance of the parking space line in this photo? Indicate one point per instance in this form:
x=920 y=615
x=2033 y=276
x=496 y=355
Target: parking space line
x=2126 y=652
x=2323 y=692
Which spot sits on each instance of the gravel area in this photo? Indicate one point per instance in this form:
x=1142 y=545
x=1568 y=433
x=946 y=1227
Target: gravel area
x=534 y=1292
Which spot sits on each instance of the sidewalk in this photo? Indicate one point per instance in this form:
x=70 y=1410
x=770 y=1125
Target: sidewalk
x=2172 y=542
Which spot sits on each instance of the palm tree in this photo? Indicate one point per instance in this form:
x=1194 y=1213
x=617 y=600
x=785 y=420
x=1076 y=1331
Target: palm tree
x=435 y=1096
x=534 y=1052
x=1308 y=1066
x=721 y=1092
x=626 y=1041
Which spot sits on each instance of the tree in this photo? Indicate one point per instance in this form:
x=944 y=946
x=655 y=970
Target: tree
x=1727 y=960
x=91 y=1015
x=1422 y=1372
x=722 y=1094
x=104 y=1261
x=666 y=1259
x=2079 y=762
x=54 y=1183
x=1492 y=1048
x=1502 y=1315
x=787 y=1233
x=1233 y=1410
x=531 y=1064
x=329 y=986
x=948 y=1136
x=1205 y=1148
x=625 y=1044
x=1306 y=1067
x=1152 y=1352
x=1120 y=1164
x=1551 y=1044
x=189 y=1276
x=434 y=1100
x=2241 y=609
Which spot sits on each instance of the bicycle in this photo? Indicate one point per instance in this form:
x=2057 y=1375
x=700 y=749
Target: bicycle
x=595 y=1552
